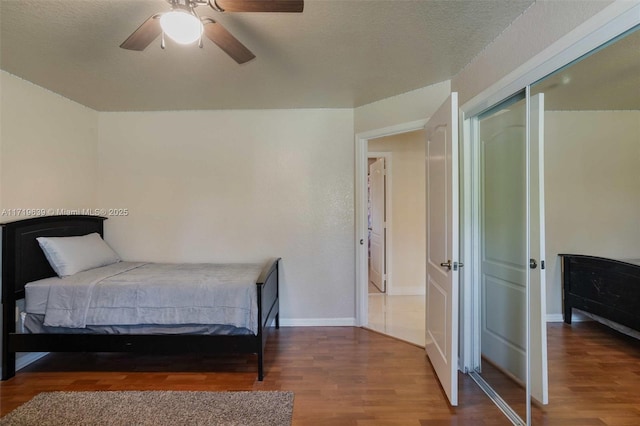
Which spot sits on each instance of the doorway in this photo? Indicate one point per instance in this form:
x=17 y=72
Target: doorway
x=396 y=307
x=397 y=274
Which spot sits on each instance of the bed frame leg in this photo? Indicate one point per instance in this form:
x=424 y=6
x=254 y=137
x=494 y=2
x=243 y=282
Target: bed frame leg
x=278 y=320
x=8 y=365
x=260 y=367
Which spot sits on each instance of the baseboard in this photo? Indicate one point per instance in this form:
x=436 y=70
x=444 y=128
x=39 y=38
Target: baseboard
x=574 y=318
x=318 y=322
x=555 y=318
x=407 y=291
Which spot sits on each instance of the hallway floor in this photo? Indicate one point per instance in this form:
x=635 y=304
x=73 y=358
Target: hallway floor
x=402 y=317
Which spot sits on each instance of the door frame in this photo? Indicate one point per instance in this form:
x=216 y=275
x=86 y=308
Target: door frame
x=361 y=233
x=388 y=239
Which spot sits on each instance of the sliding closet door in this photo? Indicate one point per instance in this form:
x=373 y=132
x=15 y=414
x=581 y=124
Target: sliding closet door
x=504 y=263
x=511 y=351
x=537 y=281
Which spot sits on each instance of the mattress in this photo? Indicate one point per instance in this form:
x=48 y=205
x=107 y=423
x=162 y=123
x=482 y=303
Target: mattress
x=127 y=294
x=36 y=296
x=34 y=323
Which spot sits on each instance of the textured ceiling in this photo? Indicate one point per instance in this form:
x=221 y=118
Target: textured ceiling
x=342 y=53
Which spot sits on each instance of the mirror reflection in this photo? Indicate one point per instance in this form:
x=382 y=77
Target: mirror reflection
x=503 y=251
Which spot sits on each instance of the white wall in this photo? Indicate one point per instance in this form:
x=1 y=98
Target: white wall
x=238 y=186
x=48 y=154
x=408 y=221
x=592 y=189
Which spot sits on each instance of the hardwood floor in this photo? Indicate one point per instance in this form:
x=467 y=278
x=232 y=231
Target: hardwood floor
x=594 y=374
x=353 y=376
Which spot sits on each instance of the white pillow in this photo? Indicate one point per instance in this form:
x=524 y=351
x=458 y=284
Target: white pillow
x=68 y=255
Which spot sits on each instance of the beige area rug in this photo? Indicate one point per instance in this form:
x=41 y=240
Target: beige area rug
x=155 y=408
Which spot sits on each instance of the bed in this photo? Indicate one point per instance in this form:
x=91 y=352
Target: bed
x=27 y=272
x=607 y=290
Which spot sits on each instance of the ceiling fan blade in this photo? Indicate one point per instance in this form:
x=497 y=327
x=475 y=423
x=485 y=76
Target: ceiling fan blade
x=227 y=42
x=292 y=6
x=144 y=35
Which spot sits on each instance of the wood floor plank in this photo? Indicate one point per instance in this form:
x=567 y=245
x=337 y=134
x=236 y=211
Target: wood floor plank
x=352 y=376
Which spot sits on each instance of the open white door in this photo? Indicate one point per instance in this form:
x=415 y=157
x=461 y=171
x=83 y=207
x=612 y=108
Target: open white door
x=441 y=342
x=537 y=287
x=377 y=224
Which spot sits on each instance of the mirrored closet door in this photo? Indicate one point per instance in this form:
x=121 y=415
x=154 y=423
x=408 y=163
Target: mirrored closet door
x=503 y=260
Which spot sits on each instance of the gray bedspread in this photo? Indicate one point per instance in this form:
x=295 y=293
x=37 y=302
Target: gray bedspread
x=128 y=293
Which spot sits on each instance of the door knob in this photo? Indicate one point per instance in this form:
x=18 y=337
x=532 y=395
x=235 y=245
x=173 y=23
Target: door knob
x=446 y=264
x=533 y=264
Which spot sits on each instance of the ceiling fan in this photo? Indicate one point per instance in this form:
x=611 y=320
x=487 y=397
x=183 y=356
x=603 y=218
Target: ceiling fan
x=185 y=26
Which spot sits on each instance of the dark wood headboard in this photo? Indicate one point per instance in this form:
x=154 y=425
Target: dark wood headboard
x=22 y=258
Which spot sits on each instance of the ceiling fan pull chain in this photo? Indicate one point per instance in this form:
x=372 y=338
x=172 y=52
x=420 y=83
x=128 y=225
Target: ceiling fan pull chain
x=162 y=45
x=193 y=10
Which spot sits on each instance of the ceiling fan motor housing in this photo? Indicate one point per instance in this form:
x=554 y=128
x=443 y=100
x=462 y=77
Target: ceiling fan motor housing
x=187 y=5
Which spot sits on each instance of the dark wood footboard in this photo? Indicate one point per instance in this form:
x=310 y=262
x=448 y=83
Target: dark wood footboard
x=604 y=287
x=268 y=308
x=23 y=262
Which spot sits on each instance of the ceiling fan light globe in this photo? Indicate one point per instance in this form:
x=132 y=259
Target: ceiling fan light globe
x=181 y=27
